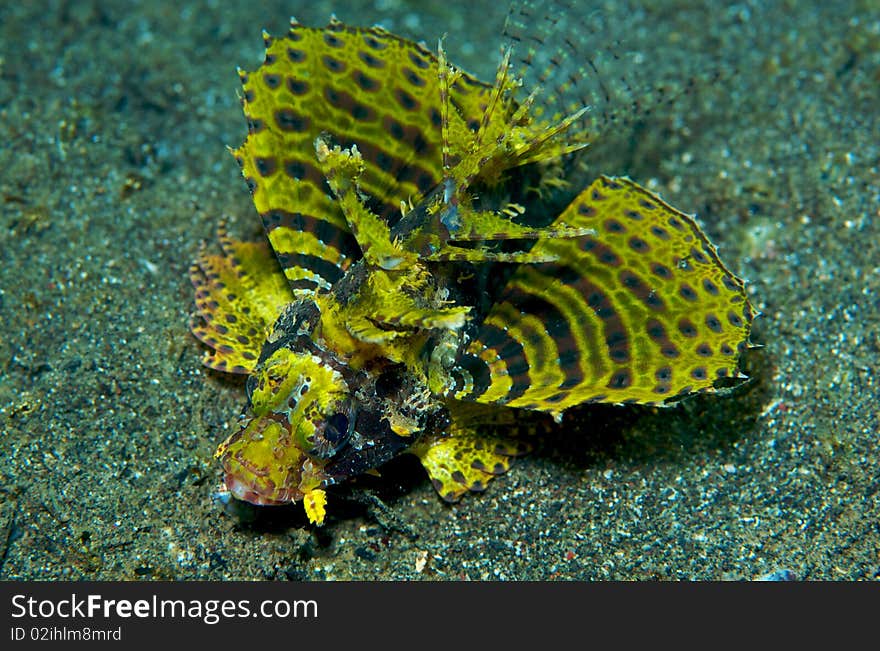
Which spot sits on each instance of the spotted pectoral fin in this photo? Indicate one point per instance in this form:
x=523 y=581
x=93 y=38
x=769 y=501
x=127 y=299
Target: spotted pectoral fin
x=466 y=460
x=639 y=312
x=352 y=86
x=239 y=294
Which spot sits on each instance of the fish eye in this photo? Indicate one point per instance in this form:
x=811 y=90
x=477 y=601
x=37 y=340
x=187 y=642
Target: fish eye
x=334 y=435
x=336 y=430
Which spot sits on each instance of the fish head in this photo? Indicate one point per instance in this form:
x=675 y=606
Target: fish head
x=300 y=414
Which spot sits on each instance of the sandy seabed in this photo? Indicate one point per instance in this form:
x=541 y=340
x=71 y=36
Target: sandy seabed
x=114 y=170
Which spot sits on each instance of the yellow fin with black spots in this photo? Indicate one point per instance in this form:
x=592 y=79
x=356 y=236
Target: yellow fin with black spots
x=642 y=311
x=239 y=295
x=350 y=86
x=466 y=459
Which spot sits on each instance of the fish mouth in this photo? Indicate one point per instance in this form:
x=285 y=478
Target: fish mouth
x=248 y=492
x=263 y=465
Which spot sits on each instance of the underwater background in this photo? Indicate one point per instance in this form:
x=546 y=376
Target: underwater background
x=113 y=169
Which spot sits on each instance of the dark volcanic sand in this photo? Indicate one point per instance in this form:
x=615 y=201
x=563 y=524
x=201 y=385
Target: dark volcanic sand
x=114 y=123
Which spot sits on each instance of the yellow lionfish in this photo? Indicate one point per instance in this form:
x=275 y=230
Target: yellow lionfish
x=416 y=295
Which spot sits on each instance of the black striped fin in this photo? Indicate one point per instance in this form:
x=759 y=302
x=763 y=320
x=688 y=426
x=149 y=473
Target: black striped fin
x=641 y=311
x=352 y=86
x=239 y=295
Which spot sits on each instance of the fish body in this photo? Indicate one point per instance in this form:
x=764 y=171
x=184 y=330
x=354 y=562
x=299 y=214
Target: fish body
x=415 y=294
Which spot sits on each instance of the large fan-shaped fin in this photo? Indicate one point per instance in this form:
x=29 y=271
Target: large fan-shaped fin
x=641 y=311
x=239 y=294
x=363 y=87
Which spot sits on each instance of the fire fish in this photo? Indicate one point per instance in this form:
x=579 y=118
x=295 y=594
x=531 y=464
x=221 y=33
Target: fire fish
x=416 y=294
